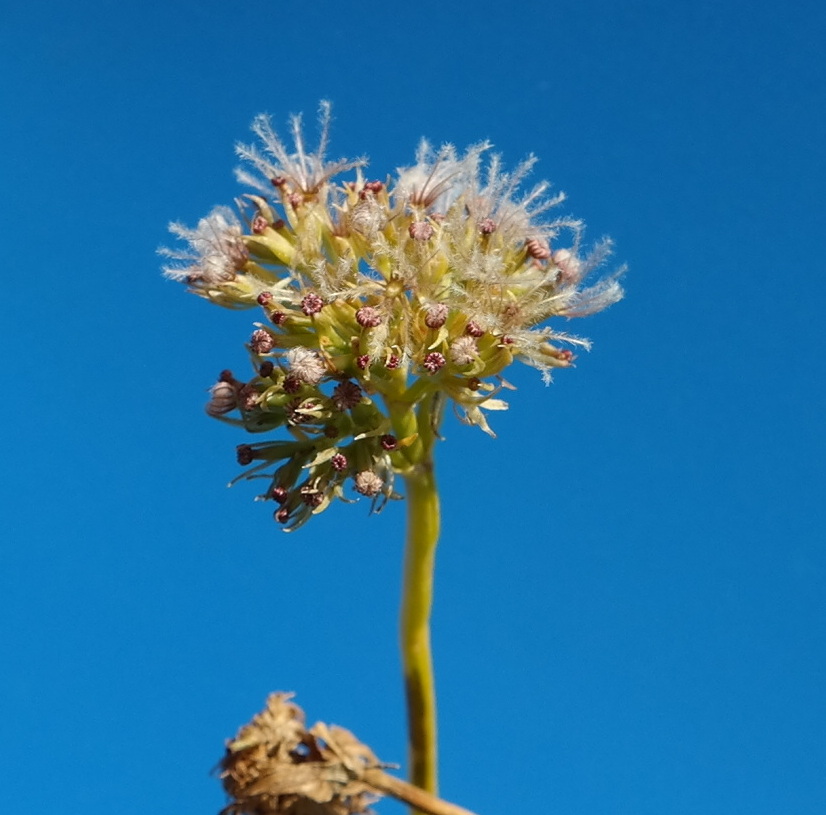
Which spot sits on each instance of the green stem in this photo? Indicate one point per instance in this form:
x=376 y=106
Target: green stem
x=417 y=597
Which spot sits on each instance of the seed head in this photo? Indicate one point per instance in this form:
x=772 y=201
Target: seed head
x=305 y=365
x=368 y=483
x=462 y=350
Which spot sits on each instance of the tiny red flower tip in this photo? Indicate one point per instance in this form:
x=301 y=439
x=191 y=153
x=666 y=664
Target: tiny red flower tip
x=368 y=317
x=433 y=362
x=311 y=304
x=420 y=231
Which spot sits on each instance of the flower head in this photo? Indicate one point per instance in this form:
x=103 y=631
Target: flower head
x=216 y=250
x=299 y=171
x=377 y=294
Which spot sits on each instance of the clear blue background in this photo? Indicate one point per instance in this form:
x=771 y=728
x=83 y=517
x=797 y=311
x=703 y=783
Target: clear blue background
x=630 y=588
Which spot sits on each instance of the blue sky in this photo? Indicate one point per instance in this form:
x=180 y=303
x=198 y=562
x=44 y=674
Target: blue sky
x=630 y=586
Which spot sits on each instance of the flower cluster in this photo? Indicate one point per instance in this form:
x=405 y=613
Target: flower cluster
x=376 y=294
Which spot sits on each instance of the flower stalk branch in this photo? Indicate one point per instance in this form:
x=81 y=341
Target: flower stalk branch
x=417 y=600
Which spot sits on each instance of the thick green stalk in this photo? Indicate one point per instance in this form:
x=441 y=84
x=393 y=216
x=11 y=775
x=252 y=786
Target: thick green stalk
x=417 y=596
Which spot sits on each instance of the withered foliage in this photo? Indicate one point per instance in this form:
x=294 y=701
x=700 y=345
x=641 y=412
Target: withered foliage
x=277 y=766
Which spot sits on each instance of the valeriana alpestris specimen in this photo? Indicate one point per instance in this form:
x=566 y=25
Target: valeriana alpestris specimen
x=381 y=301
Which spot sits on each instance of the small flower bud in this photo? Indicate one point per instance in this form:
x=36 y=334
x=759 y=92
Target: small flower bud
x=368 y=317
x=367 y=217
x=433 y=362
x=537 y=249
x=223 y=399
x=368 y=483
x=262 y=342
x=279 y=494
x=487 y=226
x=373 y=186
x=339 y=462
x=363 y=361
x=474 y=383
x=311 y=496
x=278 y=181
x=264 y=298
x=248 y=397
x=297 y=411
x=226 y=376
x=296 y=199
x=346 y=395
x=463 y=350
x=474 y=329
x=259 y=224
x=292 y=384
x=265 y=369
x=278 y=318
x=389 y=442
x=420 y=231
x=392 y=363
x=311 y=304
x=306 y=365
x=245 y=454
x=282 y=515
x=436 y=315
